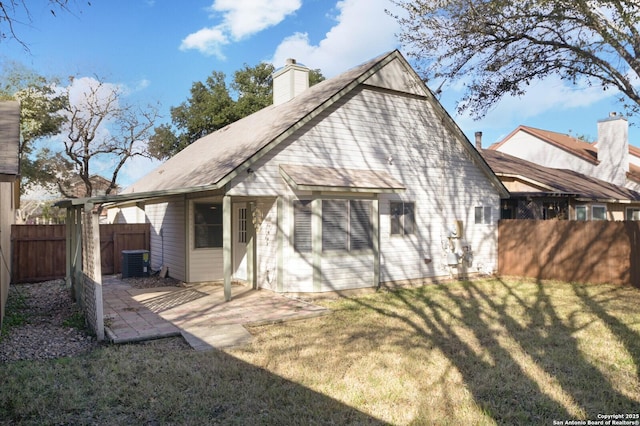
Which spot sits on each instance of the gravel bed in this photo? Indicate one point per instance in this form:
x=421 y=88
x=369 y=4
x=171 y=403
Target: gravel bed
x=49 y=329
x=51 y=321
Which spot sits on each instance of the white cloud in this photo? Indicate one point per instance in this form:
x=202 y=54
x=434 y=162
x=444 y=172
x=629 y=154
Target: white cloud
x=550 y=94
x=243 y=18
x=240 y=19
x=207 y=40
x=363 y=30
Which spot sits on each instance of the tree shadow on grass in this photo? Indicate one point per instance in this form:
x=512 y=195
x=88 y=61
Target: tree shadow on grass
x=526 y=366
x=629 y=338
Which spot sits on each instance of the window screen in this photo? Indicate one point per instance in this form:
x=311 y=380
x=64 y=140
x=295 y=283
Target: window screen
x=360 y=223
x=208 y=225
x=402 y=218
x=483 y=215
x=302 y=226
x=334 y=224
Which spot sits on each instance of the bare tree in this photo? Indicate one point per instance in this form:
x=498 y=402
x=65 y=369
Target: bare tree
x=498 y=47
x=18 y=12
x=101 y=127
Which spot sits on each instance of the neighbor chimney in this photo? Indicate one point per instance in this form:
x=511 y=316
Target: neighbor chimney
x=479 y=141
x=613 y=149
x=289 y=81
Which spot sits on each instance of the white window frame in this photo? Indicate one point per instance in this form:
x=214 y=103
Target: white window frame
x=207 y=234
x=633 y=210
x=403 y=227
x=586 y=212
x=347 y=227
x=485 y=217
x=598 y=206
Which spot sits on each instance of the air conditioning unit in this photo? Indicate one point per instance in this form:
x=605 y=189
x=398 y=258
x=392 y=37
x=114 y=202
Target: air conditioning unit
x=135 y=263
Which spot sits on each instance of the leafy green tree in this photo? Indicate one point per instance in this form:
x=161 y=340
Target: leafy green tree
x=499 y=47
x=212 y=107
x=41 y=107
x=254 y=87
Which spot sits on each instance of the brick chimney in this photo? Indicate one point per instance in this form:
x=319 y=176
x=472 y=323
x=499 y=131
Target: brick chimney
x=289 y=81
x=479 y=141
x=613 y=149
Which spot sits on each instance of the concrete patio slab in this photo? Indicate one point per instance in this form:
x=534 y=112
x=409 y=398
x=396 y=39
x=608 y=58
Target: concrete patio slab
x=199 y=312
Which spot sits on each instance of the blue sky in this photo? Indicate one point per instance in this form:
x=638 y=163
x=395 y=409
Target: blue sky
x=156 y=49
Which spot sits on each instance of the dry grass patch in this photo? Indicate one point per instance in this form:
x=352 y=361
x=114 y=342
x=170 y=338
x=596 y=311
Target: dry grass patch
x=506 y=352
x=486 y=352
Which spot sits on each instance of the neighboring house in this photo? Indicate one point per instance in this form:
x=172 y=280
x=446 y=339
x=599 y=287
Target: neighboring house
x=539 y=192
x=9 y=192
x=38 y=205
x=611 y=158
x=359 y=180
x=76 y=187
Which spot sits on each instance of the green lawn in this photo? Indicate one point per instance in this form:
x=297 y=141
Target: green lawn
x=484 y=352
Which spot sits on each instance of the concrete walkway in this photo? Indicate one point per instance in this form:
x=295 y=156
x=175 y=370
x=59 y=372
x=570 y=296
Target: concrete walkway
x=198 y=313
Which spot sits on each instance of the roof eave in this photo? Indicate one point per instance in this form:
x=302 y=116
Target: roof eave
x=134 y=196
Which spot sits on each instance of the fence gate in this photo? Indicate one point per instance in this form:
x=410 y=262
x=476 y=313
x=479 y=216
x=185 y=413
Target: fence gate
x=38 y=251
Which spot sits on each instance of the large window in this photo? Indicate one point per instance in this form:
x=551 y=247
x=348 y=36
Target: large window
x=483 y=215
x=207 y=218
x=346 y=225
x=403 y=218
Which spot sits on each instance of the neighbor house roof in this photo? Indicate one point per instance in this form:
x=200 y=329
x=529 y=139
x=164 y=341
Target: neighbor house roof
x=9 y=138
x=557 y=181
x=575 y=146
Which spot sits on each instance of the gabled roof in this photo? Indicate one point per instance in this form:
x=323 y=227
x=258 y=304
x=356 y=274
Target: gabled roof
x=206 y=162
x=213 y=160
x=557 y=181
x=9 y=137
x=575 y=146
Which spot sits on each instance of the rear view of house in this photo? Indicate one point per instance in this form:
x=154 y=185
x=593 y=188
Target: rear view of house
x=360 y=180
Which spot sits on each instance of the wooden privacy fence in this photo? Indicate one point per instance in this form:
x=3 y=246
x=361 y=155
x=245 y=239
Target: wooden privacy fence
x=38 y=251
x=595 y=251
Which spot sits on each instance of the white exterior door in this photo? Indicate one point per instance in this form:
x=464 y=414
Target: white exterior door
x=240 y=223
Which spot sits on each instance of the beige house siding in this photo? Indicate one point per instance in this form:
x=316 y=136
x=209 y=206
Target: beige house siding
x=531 y=148
x=370 y=130
x=168 y=236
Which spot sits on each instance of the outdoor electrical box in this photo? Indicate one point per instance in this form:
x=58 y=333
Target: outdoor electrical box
x=135 y=263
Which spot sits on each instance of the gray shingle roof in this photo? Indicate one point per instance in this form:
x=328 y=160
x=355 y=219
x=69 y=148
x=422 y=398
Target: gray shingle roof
x=560 y=181
x=206 y=162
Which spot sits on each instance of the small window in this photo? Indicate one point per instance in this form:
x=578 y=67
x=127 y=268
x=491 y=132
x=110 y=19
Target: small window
x=302 y=226
x=208 y=225
x=598 y=213
x=483 y=215
x=581 y=212
x=633 y=213
x=403 y=218
x=242 y=225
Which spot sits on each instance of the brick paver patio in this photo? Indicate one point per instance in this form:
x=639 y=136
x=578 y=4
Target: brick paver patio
x=198 y=312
